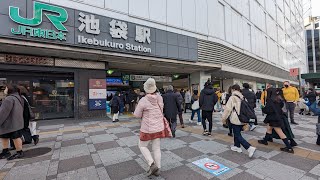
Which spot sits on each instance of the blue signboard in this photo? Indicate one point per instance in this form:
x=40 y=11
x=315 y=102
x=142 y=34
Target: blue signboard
x=97 y=104
x=211 y=166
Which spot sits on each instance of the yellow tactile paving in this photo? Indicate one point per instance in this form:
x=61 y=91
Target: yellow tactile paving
x=3 y=174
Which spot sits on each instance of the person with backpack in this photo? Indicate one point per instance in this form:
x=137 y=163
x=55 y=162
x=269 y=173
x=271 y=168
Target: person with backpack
x=207 y=101
x=228 y=123
x=11 y=122
x=252 y=100
x=239 y=112
x=274 y=119
x=115 y=107
x=195 y=107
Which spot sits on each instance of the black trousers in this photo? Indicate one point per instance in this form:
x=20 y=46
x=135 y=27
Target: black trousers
x=207 y=115
x=187 y=106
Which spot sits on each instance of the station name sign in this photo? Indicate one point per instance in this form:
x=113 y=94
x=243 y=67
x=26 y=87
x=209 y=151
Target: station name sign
x=89 y=29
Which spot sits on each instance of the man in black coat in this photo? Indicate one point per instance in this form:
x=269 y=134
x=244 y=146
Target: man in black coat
x=171 y=108
x=132 y=98
x=207 y=101
x=252 y=100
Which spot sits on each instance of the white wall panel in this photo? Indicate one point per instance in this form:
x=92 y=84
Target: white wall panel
x=158 y=10
x=188 y=14
x=174 y=13
x=118 y=5
x=97 y=3
x=228 y=25
x=280 y=4
x=280 y=18
x=139 y=8
x=246 y=8
x=271 y=8
x=202 y=16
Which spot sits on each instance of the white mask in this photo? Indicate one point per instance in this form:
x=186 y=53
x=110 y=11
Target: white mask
x=6 y=91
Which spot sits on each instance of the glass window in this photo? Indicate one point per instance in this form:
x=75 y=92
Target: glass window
x=51 y=96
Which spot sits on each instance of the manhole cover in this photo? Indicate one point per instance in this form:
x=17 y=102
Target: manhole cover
x=36 y=152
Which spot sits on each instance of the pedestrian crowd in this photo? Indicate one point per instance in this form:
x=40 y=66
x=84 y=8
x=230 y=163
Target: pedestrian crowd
x=159 y=111
x=17 y=125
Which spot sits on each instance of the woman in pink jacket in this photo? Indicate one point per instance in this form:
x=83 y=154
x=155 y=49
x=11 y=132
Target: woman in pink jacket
x=150 y=109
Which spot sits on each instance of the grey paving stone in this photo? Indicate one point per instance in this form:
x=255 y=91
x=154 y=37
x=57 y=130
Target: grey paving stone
x=67 y=137
x=74 y=151
x=118 y=130
x=50 y=127
x=259 y=176
x=316 y=170
x=240 y=158
x=172 y=143
x=72 y=131
x=70 y=165
x=73 y=142
x=124 y=169
x=125 y=134
x=276 y=170
x=101 y=138
x=106 y=145
x=182 y=173
x=130 y=141
x=189 y=139
x=187 y=152
x=31 y=160
x=53 y=168
x=253 y=163
x=97 y=133
x=114 y=156
x=50 y=139
x=271 y=154
x=91 y=148
x=308 y=178
x=9 y=165
x=143 y=176
x=29 y=172
x=82 y=173
x=295 y=161
x=169 y=160
x=243 y=176
x=209 y=147
x=103 y=174
x=311 y=146
x=56 y=154
x=135 y=149
x=96 y=159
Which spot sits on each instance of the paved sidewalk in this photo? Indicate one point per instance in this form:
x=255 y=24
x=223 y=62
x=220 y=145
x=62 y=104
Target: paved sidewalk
x=105 y=150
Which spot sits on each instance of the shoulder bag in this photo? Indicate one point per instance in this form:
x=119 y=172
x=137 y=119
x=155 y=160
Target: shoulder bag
x=32 y=116
x=165 y=133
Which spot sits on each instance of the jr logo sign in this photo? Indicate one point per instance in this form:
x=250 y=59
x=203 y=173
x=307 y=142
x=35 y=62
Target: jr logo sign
x=56 y=15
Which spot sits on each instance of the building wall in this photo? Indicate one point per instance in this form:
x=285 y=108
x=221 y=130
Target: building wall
x=269 y=30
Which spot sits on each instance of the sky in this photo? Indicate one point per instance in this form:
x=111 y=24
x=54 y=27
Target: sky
x=315 y=7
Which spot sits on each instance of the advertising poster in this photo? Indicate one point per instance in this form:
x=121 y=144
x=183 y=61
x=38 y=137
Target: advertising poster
x=211 y=166
x=97 y=94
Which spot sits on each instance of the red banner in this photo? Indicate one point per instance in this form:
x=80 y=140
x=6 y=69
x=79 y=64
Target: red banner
x=294 y=72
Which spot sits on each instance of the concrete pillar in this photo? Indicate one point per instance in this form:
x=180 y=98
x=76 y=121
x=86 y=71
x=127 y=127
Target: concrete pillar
x=199 y=78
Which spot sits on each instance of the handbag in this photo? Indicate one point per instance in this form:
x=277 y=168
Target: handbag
x=31 y=114
x=318 y=129
x=195 y=105
x=165 y=133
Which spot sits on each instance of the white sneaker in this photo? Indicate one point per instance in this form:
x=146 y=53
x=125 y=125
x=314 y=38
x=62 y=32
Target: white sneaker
x=253 y=127
x=251 y=151
x=199 y=123
x=190 y=121
x=236 y=149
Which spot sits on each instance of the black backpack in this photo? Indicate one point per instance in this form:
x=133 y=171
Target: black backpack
x=246 y=112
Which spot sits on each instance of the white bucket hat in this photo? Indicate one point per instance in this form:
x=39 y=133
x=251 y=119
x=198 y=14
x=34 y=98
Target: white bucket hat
x=150 y=86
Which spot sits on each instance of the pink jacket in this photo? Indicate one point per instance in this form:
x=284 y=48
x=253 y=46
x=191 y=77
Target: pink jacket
x=152 y=116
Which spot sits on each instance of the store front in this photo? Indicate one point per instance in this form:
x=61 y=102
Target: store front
x=50 y=95
x=57 y=58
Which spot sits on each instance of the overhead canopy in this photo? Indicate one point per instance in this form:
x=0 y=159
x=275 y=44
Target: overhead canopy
x=311 y=76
